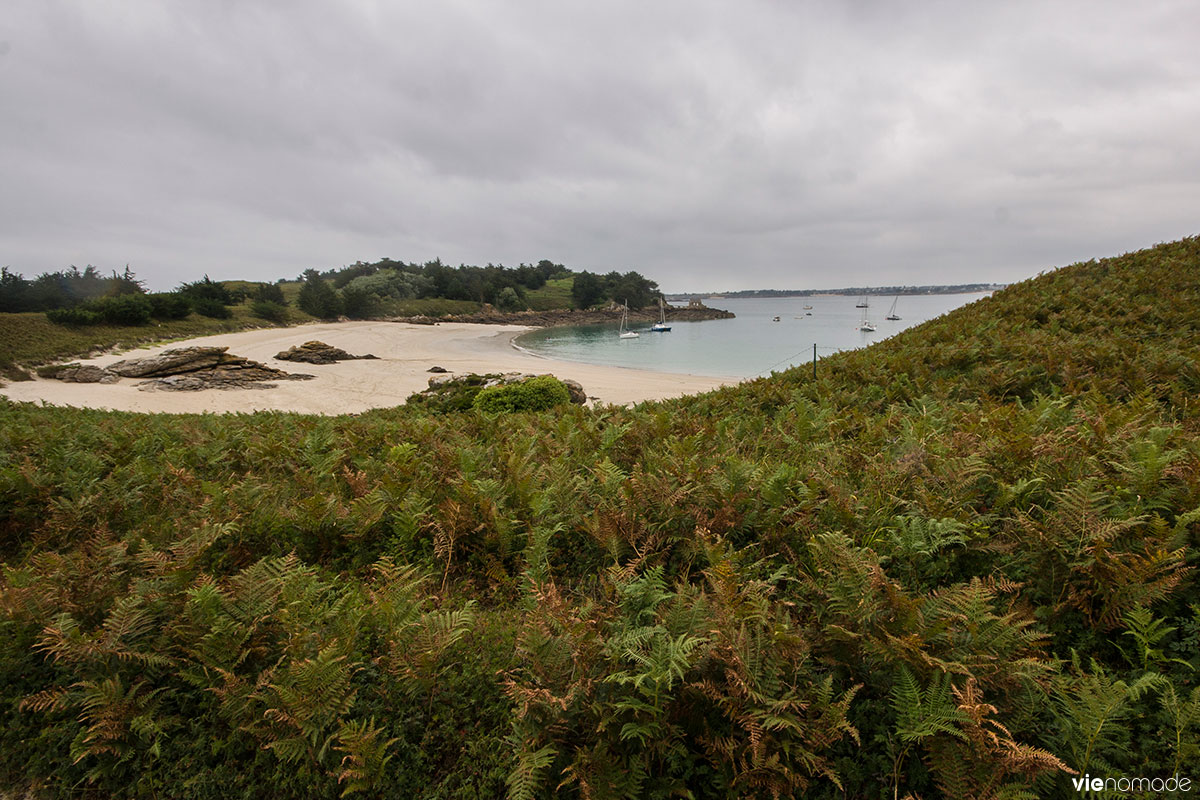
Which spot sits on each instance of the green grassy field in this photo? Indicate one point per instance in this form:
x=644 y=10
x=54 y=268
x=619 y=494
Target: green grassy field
x=555 y=294
x=960 y=563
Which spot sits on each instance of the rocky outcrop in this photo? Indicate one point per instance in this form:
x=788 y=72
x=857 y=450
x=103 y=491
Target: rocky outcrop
x=172 y=362
x=79 y=373
x=218 y=378
x=575 y=389
x=318 y=353
x=228 y=372
x=184 y=369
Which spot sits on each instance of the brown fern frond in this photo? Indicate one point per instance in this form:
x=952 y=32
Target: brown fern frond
x=357 y=481
x=45 y=700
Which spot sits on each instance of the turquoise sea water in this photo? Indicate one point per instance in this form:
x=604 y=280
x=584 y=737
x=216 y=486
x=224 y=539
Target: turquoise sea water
x=751 y=344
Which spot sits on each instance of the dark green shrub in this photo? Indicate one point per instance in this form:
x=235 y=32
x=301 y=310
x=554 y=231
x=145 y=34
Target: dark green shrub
x=456 y=395
x=318 y=298
x=268 y=310
x=358 y=303
x=508 y=300
x=73 y=316
x=207 y=289
x=534 y=394
x=211 y=308
x=125 y=309
x=270 y=293
x=169 y=305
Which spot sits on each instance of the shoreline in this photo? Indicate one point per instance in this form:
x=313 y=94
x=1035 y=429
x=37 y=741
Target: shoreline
x=405 y=353
x=726 y=380
x=567 y=317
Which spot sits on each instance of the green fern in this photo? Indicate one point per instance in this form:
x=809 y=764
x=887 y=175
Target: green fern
x=525 y=780
x=922 y=713
x=1185 y=721
x=1092 y=706
x=1146 y=632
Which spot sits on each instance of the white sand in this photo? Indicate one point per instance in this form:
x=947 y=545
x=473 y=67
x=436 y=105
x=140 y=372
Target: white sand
x=405 y=354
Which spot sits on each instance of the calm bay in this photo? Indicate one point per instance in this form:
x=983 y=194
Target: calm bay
x=750 y=344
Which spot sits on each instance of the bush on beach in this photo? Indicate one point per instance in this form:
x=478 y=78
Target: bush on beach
x=533 y=394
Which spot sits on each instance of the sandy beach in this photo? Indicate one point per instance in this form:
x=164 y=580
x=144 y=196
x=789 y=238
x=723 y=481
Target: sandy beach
x=405 y=353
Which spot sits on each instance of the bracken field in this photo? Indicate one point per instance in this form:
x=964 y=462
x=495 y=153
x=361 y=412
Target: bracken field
x=959 y=563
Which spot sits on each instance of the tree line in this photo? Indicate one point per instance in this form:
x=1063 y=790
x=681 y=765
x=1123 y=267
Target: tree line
x=362 y=289
x=87 y=297
x=359 y=291
x=629 y=289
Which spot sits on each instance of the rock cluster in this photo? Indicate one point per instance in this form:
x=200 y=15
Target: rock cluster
x=81 y=373
x=317 y=353
x=172 y=362
x=183 y=369
x=575 y=389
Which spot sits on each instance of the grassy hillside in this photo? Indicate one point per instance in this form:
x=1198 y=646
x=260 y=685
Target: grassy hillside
x=30 y=339
x=960 y=563
x=556 y=294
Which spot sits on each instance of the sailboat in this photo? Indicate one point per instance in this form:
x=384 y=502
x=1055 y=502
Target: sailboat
x=892 y=314
x=661 y=326
x=866 y=325
x=864 y=303
x=623 y=332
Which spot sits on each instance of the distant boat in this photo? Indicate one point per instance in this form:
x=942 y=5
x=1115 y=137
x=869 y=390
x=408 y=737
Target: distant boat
x=622 y=333
x=661 y=326
x=866 y=325
x=806 y=308
x=775 y=319
x=892 y=314
x=864 y=303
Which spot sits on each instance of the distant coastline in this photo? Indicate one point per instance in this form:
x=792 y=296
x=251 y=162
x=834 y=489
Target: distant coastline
x=960 y=288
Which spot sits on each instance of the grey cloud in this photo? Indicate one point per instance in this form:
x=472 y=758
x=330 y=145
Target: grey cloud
x=708 y=145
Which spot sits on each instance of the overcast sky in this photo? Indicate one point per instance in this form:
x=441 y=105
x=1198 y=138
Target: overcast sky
x=709 y=145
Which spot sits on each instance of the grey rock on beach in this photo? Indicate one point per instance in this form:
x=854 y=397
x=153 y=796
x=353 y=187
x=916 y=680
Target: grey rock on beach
x=82 y=373
x=316 y=352
x=183 y=369
x=172 y=362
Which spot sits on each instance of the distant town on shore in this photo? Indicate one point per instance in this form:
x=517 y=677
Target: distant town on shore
x=960 y=288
